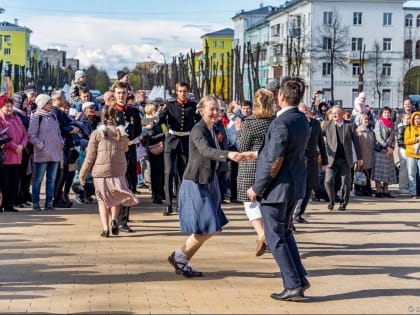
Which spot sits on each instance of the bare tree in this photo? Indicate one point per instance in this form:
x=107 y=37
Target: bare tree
x=331 y=44
x=362 y=54
x=378 y=71
x=296 y=46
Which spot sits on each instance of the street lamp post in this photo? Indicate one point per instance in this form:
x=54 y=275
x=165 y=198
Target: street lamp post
x=164 y=72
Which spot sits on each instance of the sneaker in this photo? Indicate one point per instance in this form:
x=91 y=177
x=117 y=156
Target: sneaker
x=36 y=208
x=49 y=208
x=79 y=200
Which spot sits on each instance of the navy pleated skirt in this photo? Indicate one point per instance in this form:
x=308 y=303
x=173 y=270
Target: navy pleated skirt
x=200 y=209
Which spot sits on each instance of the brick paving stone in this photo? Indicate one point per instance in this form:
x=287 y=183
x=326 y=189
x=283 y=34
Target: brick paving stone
x=363 y=260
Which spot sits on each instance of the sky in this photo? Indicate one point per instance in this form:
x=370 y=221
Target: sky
x=113 y=34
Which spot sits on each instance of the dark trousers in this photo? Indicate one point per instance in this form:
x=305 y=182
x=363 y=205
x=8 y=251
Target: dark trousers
x=341 y=169
x=305 y=201
x=25 y=180
x=233 y=179
x=62 y=173
x=175 y=161
x=131 y=176
x=280 y=239
x=9 y=179
x=157 y=175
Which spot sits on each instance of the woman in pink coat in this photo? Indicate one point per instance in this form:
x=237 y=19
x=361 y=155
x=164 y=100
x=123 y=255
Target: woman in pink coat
x=9 y=174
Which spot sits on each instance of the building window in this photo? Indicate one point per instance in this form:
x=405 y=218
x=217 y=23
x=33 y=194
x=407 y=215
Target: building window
x=357 y=18
x=418 y=49
x=1 y=41
x=214 y=44
x=214 y=56
x=327 y=20
x=326 y=43
x=7 y=39
x=275 y=30
x=222 y=44
x=409 y=20
x=356 y=43
x=386 y=69
x=280 y=50
x=356 y=69
x=386 y=97
x=326 y=68
x=387 y=44
x=408 y=49
x=387 y=19
x=7 y=51
x=418 y=21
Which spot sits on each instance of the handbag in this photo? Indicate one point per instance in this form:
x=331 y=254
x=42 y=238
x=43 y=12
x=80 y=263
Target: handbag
x=360 y=178
x=157 y=148
x=377 y=147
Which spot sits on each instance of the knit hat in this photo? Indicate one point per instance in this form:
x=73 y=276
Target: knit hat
x=121 y=74
x=78 y=74
x=42 y=99
x=88 y=105
x=5 y=99
x=362 y=95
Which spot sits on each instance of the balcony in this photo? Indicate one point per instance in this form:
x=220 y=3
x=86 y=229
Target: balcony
x=355 y=55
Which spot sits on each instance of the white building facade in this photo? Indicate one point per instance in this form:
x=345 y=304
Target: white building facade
x=376 y=27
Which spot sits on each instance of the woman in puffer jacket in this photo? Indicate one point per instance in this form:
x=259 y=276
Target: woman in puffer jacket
x=412 y=145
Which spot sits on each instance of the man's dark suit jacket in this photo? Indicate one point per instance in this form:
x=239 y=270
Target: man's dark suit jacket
x=315 y=143
x=350 y=138
x=203 y=155
x=286 y=138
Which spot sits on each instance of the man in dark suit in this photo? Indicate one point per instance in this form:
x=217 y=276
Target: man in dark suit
x=280 y=182
x=315 y=144
x=341 y=138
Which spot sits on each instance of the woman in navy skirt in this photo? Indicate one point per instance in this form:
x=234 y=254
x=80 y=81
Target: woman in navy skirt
x=200 y=213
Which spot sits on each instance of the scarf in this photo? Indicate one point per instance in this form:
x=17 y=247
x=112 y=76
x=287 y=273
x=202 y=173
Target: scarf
x=387 y=122
x=119 y=107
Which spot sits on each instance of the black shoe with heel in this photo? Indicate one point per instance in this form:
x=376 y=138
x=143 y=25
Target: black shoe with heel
x=105 y=233
x=114 y=228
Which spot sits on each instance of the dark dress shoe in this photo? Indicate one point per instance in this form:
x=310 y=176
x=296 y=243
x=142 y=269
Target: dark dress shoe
x=168 y=210
x=183 y=269
x=342 y=207
x=289 y=295
x=388 y=195
x=114 y=228
x=124 y=228
x=157 y=200
x=105 y=233
x=379 y=195
x=300 y=220
x=330 y=206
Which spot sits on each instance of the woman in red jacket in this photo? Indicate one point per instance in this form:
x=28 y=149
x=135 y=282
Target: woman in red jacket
x=9 y=175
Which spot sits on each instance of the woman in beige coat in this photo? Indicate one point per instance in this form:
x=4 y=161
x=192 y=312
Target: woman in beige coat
x=105 y=159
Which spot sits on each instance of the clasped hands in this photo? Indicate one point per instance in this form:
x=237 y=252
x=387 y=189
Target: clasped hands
x=243 y=156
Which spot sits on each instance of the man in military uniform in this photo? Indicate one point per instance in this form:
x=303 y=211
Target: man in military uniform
x=179 y=115
x=128 y=117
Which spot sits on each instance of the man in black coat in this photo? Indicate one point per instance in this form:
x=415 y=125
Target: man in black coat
x=280 y=182
x=179 y=116
x=315 y=145
x=129 y=120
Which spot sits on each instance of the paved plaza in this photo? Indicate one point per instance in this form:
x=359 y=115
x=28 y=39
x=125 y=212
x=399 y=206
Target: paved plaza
x=365 y=260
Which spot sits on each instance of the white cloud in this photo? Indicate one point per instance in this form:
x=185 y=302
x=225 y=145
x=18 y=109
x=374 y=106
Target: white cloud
x=114 y=44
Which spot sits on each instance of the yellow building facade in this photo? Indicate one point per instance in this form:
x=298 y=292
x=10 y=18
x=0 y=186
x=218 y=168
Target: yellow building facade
x=219 y=53
x=14 y=47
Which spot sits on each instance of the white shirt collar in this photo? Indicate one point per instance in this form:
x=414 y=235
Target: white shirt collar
x=283 y=110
